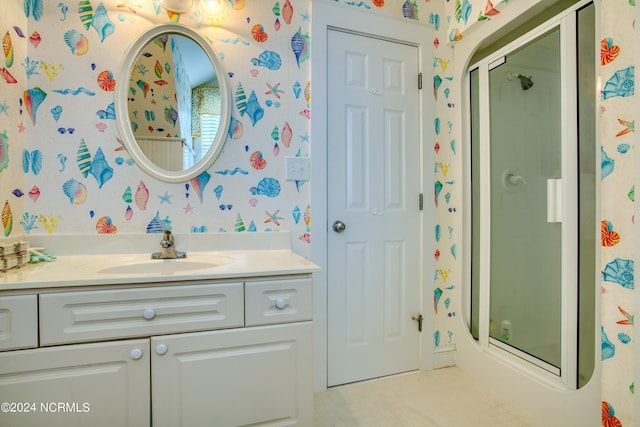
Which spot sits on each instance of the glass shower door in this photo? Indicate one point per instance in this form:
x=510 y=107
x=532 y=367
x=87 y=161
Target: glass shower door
x=525 y=184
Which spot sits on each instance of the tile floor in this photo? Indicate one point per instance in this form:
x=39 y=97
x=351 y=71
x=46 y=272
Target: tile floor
x=440 y=398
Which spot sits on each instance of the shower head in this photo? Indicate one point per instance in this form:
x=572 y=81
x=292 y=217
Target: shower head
x=525 y=82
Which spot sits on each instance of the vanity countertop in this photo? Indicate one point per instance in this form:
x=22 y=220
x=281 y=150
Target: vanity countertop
x=73 y=270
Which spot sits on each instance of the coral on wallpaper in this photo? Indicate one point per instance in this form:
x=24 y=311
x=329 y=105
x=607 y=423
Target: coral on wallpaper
x=74 y=174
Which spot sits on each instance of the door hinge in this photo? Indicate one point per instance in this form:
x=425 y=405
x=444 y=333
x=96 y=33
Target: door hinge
x=420 y=201
x=419 y=81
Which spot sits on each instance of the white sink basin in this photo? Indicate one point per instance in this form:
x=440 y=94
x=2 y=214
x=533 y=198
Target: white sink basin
x=167 y=266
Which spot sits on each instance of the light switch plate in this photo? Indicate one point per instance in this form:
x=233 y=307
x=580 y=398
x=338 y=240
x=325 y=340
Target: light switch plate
x=297 y=168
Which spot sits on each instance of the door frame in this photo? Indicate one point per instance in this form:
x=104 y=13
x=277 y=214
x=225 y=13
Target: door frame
x=329 y=15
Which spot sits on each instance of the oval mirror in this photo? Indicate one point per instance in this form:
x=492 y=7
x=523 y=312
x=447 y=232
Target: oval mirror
x=173 y=112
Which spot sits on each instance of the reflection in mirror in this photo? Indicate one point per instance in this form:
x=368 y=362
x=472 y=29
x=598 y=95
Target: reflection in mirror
x=174 y=102
x=174 y=112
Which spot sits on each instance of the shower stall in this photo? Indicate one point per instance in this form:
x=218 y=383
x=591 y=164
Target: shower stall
x=533 y=213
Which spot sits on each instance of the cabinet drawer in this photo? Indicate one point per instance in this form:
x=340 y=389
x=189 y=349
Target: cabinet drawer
x=107 y=314
x=278 y=301
x=18 y=322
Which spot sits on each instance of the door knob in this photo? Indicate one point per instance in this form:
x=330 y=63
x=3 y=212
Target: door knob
x=339 y=226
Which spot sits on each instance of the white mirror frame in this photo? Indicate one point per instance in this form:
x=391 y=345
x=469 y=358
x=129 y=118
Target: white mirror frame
x=122 y=114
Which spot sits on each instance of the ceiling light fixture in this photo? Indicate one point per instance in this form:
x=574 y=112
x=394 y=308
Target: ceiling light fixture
x=177 y=6
x=213 y=8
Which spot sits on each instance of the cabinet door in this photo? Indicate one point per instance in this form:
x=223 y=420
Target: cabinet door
x=254 y=376
x=102 y=384
x=18 y=322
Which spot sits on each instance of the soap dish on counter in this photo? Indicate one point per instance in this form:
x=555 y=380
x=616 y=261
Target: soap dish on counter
x=13 y=255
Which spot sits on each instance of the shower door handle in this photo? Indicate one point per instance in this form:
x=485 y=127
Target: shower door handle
x=554 y=200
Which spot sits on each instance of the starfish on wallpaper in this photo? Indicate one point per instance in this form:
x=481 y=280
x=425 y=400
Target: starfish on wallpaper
x=274 y=90
x=21 y=127
x=305 y=138
x=629 y=317
x=274 y=218
x=188 y=209
x=305 y=17
x=166 y=198
x=629 y=126
x=4 y=108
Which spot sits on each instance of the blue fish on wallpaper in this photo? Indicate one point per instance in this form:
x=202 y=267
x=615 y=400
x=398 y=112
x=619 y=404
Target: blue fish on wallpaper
x=620 y=84
x=269 y=187
x=33 y=8
x=254 y=110
x=300 y=46
x=269 y=59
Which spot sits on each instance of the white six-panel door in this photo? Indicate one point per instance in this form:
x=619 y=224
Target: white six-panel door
x=373 y=189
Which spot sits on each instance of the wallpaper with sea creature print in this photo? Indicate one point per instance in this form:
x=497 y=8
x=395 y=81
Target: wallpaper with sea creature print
x=64 y=166
x=58 y=139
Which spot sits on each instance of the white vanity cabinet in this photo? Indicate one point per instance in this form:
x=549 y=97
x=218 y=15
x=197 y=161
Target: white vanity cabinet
x=102 y=384
x=196 y=353
x=255 y=376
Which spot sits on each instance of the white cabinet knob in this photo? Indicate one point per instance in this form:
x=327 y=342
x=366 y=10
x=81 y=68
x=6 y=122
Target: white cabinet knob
x=161 y=349
x=136 y=354
x=280 y=304
x=149 y=314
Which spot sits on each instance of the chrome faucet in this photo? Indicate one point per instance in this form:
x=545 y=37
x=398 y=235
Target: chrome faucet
x=167 y=248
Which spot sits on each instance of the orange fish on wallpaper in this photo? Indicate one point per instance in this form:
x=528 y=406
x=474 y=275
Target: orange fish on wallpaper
x=608 y=236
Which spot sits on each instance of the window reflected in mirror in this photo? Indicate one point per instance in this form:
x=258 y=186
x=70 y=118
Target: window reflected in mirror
x=174 y=102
